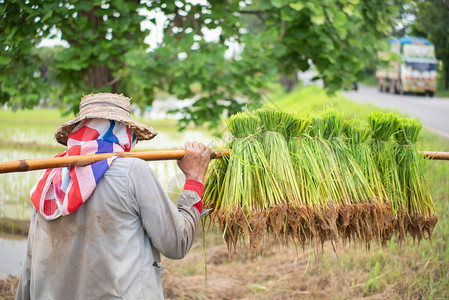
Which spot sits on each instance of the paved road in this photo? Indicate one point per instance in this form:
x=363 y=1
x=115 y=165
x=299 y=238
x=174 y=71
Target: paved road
x=433 y=112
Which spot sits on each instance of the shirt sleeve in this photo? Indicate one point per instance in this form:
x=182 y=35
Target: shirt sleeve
x=170 y=227
x=198 y=187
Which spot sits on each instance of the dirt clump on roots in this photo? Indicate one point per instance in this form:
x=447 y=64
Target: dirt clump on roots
x=420 y=227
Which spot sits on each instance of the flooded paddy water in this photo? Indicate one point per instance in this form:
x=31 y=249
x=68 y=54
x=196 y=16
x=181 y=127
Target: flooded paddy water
x=12 y=255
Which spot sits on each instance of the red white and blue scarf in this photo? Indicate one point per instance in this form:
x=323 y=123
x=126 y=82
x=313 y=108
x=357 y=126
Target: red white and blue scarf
x=61 y=191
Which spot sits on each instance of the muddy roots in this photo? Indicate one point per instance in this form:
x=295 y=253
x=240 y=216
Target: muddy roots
x=362 y=222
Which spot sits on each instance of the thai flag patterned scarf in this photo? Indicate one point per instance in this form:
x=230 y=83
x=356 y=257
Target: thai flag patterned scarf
x=61 y=191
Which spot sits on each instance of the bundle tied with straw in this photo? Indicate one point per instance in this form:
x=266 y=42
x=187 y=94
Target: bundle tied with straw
x=311 y=225
x=354 y=220
x=315 y=159
x=274 y=122
x=247 y=190
x=357 y=137
x=421 y=215
x=295 y=135
x=383 y=127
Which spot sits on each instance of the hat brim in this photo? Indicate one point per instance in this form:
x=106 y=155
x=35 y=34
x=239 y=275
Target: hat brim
x=142 y=131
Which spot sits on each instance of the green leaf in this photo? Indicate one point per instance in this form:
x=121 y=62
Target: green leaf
x=84 y=5
x=285 y=15
x=4 y=60
x=318 y=19
x=47 y=16
x=278 y=3
x=340 y=19
x=103 y=56
x=297 y=6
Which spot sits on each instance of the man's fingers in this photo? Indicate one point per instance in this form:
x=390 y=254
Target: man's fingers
x=188 y=146
x=199 y=148
x=207 y=151
x=196 y=147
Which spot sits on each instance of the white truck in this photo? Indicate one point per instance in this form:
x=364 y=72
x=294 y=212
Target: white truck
x=416 y=72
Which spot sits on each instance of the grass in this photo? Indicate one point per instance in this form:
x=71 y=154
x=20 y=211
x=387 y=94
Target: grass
x=313 y=98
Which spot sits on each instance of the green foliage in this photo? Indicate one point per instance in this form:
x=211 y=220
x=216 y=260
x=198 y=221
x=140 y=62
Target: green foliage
x=107 y=51
x=432 y=22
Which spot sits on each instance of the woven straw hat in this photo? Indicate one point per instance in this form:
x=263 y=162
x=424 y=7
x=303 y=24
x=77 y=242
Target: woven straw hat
x=105 y=106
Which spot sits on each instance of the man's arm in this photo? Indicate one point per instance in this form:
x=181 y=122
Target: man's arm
x=171 y=228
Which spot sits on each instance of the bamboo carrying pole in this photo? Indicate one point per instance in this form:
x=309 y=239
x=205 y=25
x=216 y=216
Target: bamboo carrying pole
x=25 y=165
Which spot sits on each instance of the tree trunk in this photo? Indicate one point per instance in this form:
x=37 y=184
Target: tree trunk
x=289 y=82
x=101 y=76
x=98 y=76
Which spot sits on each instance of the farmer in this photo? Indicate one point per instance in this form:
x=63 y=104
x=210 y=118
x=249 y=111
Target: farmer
x=98 y=230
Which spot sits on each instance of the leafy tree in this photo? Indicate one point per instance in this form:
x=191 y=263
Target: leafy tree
x=432 y=21
x=107 y=50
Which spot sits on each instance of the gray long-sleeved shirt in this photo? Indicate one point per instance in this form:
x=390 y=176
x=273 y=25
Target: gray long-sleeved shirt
x=110 y=247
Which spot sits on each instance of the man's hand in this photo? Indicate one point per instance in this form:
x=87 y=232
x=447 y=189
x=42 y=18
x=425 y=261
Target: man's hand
x=195 y=162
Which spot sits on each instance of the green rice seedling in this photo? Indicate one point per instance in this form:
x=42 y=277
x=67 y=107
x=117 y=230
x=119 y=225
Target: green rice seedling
x=318 y=174
x=354 y=212
x=274 y=124
x=332 y=189
x=421 y=215
x=295 y=135
x=350 y=173
x=247 y=190
x=357 y=133
x=213 y=184
x=383 y=127
x=301 y=221
x=357 y=137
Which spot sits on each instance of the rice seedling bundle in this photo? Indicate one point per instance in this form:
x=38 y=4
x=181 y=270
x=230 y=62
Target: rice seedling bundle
x=349 y=171
x=373 y=211
x=383 y=126
x=354 y=206
x=320 y=168
x=213 y=186
x=247 y=189
x=301 y=225
x=316 y=220
x=421 y=215
x=357 y=134
x=295 y=135
x=274 y=123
